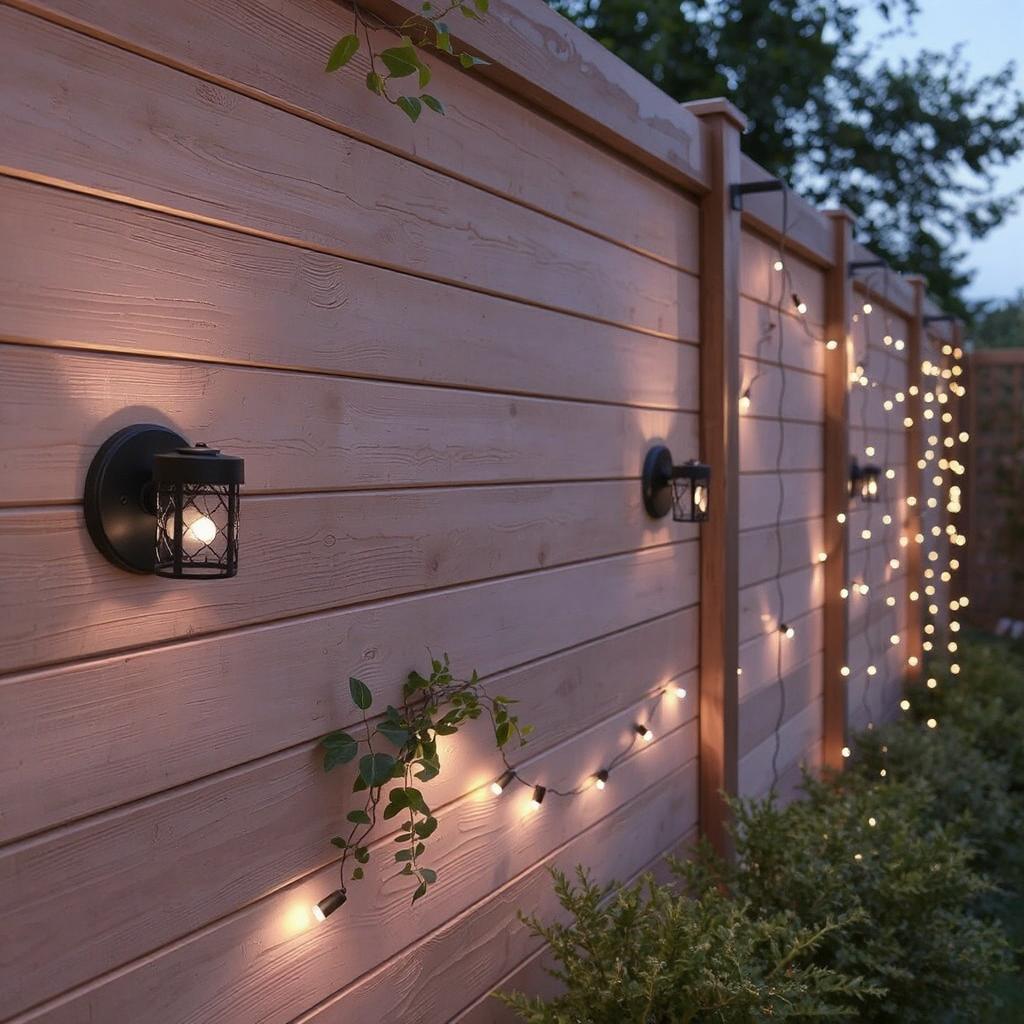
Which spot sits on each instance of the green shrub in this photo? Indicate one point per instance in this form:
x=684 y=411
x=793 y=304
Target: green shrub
x=649 y=954
x=905 y=888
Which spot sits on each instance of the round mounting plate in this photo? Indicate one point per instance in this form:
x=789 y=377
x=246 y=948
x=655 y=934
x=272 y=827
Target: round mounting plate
x=120 y=524
x=657 y=481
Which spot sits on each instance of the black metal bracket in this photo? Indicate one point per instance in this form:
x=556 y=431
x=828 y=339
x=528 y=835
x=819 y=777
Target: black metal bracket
x=938 y=319
x=855 y=265
x=737 y=192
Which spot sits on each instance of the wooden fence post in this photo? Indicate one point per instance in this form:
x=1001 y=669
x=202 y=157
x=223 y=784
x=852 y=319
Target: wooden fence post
x=838 y=304
x=719 y=428
x=912 y=520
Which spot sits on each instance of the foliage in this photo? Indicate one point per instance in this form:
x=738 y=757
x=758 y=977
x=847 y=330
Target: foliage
x=428 y=31
x=910 y=147
x=909 y=891
x=401 y=747
x=999 y=324
x=650 y=953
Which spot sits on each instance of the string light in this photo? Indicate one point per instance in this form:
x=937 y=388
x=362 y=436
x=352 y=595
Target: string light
x=601 y=779
x=643 y=732
x=539 y=792
x=498 y=786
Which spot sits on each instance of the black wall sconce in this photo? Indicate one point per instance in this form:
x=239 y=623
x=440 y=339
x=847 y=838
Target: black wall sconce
x=683 y=490
x=864 y=480
x=156 y=504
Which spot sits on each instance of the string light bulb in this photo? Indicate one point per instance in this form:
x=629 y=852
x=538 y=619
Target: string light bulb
x=643 y=732
x=328 y=905
x=539 y=792
x=601 y=779
x=787 y=631
x=499 y=785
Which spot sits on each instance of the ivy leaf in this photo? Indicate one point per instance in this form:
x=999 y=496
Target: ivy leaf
x=394 y=733
x=344 y=50
x=444 y=39
x=375 y=769
x=362 y=854
x=424 y=75
x=403 y=855
x=431 y=769
x=410 y=106
x=428 y=875
x=339 y=842
x=401 y=61
x=414 y=799
x=426 y=828
x=420 y=891
x=358 y=817
x=467 y=12
x=397 y=802
x=359 y=785
x=502 y=733
x=375 y=83
x=482 y=5
x=361 y=696
x=467 y=60
x=357 y=873
x=339 y=748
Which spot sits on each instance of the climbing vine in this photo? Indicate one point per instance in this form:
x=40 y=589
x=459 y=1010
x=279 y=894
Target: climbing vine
x=419 y=33
x=399 y=750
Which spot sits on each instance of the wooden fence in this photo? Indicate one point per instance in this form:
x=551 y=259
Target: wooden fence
x=443 y=351
x=995 y=417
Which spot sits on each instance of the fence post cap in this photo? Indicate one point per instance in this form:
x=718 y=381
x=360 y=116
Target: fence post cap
x=717 y=105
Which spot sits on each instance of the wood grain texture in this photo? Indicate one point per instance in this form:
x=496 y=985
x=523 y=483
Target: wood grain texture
x=128 y=128
x=775 y=289
x=276 y=52
x=87 y=272
x=760 y=493
x=303 y=433
x=801 y=544
x=141 y=722
x=760 y=712
x=759 y=335
x=265 y=965
x=763 y=606
x=719 y=428
x=799 y=740
x=152 y=872
x=765 y=658
x=304 y=554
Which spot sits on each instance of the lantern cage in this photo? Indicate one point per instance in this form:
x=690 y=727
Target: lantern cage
x=684 y=490
x=155 y=504
x=865 y=481
x=197 y=513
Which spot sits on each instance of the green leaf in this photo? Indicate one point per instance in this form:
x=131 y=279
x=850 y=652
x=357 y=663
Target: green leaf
x=421 y=891
x=414 y=799
x=362 y=854
x=358 y=817
x=402 y=855
x=359 y=785
x=444 y=39
x=410 y=106
x=339 y=748
x=339 y=842
x=467 y=60
x=428 y=875
x=467 y=12
x=397 y=802
x=361 y=696
x=482 y=5
x=401 y=61
x=375 y=83
x=424 y=75
x=375 y=769
x=357 y=873
x=424 y=829
x=394 y=733
x=502 y=733
x=344 y=50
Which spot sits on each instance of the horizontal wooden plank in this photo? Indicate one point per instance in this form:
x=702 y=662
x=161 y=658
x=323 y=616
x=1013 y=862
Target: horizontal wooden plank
x=760 y=606
x=801 y=496
x=542 y=57
x=760 y=657
x=884 y=285
x=797 y=737
x=265 y=964
x=763 y=382
x=773 y=288
x=276 y=51
x=306 y=432
x=767 y=445
x=476 y=951
x=759 y=714
x=304 y=554
x=107 y=721
x=287 y=810
x=758 y=339
x=138 y=131
x=801 y=541
x=97 y=274
x=806 y=228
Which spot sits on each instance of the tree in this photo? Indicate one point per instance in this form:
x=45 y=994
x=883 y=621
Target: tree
x=999 y=324
x=910 y=147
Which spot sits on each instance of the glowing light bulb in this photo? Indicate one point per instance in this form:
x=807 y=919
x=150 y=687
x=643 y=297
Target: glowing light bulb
x=932 y=683
x=887 y=519
x=872 y=670
x=643 y=732
x=498 y=786
x=894 y=563
x=894 y=639
x=841 y=517
x=869 y=450
x=831 y=344
x=954 y=669
x=887 y=405
x=845 y=670
x=908 y=422
x=867 y=307
x=845 y=751
x=931 y=723
x=844 y=593
x=912 y=661
x=964 y=436
x=872 y=822
x=601 y=779
x=745 y=400
x=865 y=534
x=822 y=556
x=328 y=905
x=891 y=601
x=905 y=704
x=679 y=692
x=539 y=792
x=778 y=265
x=787 y=631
